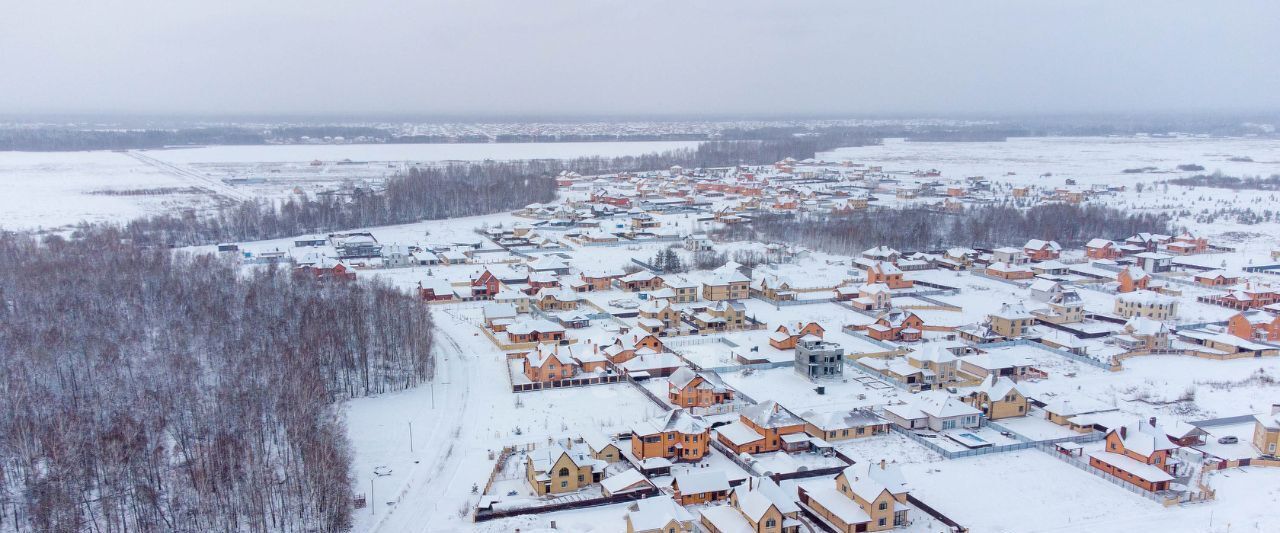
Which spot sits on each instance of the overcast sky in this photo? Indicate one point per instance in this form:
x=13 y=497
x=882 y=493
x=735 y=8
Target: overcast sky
x=638 y=57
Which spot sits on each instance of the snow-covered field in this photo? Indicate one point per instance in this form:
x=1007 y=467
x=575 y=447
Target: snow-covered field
x=52 y=189
x=1087 y=159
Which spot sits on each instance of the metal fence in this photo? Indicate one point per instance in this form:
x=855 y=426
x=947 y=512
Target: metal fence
x=1084 y=465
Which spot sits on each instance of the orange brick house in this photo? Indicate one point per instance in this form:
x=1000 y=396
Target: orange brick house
x=1009 y=271
x=675 y=435
x=1102 y=249
x=1216 y=278
x=896 y=325
x=622 y=350
x=865 y=498
x=1255 y=326
x=641 y=281
x=1140 y=454
x=686 y=388
x=1133 y=278
x=760 y=428
x=1186 y=244
x=888 y=274
x=548 y=366
x=1039 y=250
x=784 y=339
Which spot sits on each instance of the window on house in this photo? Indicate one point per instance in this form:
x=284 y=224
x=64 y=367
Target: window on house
x=564 y=484
x=881 y=522
x=884 y=505
x=564 y=472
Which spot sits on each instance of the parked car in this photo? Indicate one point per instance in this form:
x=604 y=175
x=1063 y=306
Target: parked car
x=1229 y=439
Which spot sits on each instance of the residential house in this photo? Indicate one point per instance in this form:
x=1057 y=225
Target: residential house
x=534 y=330
x=726 y=283
x=687 y=388
x=762 y=506
x=1140 y=454
x=641 y=280
x=1065 y=307
x=1013 y=256
x=1039 y=250
x=882 y=253
x=888 y=274
x=1142 y=333
x=1012 y=320
x=1186 y=244
x=683 y=289
x=1216 y=278
x=557 y=470
x=549 y=366
x=1255 y=326
x=1147 y=304
x=1102 y=249
x=1009 y=271
x=700 y=486
x=723 y=315
x=998 y=397
x=784 y=339
x=435 y=289
x=629 y=480
x=659 y=514
x=485 y=285
x=760 y=428
x=816 y=359
x=896 y=325
x=656 y=316
x=865 y=498
x=675 y=435
x=934 y=410
x=1266 y=432
x=1132 y=278
x=839 y=425
x=1154 y=262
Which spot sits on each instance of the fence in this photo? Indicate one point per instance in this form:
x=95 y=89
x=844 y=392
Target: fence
x=1024 y=342
x=650 y=395
x=858 y=335
x=857 y=365
x=785 y=303
x=955 y=526
x=1084 y=465
x=483 y=515
x=1023 y=444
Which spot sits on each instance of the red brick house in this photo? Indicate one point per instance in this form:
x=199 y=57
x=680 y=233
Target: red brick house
x=1038 y=250
x=1255 y=326
x=1101 y=249
x=485 y=285
x=896 y=325
x=1141 y=454
x=888 y=274
x=1133 y=279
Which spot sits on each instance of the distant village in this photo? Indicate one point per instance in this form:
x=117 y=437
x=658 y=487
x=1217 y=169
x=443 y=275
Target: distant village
x=793 y=384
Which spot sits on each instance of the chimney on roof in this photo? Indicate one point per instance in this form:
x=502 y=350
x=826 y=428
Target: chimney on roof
x=1124 y=432
x=1152 y=421
x=1275 y=408
x=882 y=464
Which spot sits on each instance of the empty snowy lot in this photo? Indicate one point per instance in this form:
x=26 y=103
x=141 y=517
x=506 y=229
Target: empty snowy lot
x=1018 y=492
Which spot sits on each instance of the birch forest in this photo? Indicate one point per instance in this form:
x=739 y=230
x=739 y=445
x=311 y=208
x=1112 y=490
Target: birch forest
x=147 y=390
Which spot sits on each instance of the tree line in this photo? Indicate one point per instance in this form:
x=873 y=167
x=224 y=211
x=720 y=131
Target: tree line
x=448 y=191
x=918 y=228
x=1219 y=181
x=148 y=390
